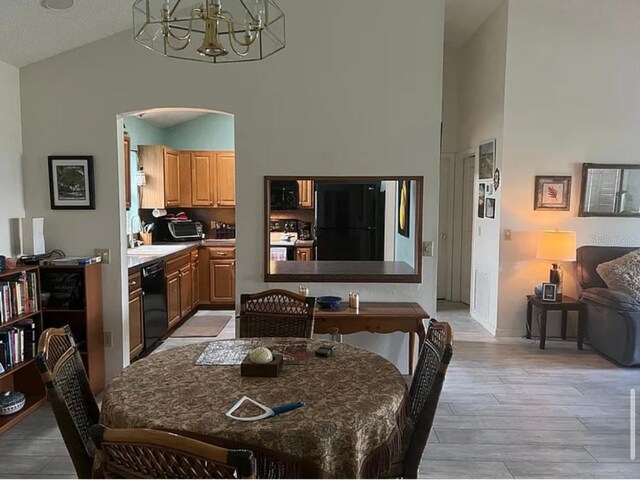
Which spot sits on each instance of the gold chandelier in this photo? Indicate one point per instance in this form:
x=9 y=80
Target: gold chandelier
x=213 y=31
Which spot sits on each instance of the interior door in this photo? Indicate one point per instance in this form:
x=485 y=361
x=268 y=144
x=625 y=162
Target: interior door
x=468 y=192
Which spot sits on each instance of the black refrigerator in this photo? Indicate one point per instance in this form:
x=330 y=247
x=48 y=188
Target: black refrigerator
x=349 y=221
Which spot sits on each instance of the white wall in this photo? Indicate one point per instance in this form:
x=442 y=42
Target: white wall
x=11 y=197
x=480 y=70
x=329 y=104
x=572 y=96
x=450 y=104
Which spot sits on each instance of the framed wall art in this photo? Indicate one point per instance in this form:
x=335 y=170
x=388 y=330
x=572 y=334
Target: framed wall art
x=71 y=183
x=404 y=208
x=552 y=193
x=487 y=160
x=481 y=199
x=490 y=208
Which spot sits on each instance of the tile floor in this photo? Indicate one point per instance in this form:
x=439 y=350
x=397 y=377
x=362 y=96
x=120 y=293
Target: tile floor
x=508 y=410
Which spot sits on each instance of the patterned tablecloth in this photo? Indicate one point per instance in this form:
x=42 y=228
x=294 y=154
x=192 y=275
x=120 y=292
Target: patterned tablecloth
x=350 y=426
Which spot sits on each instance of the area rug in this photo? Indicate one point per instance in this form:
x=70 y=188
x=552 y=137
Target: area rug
x=203 y=326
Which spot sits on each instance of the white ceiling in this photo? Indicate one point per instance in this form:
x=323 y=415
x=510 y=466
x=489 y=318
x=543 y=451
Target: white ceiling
x=169 y=117
x=464 y=17
x=29 y=32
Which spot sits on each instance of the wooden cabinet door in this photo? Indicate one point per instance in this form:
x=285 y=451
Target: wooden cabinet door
x=195 y=279
x=222 y=280
x=303 y=254
x=173 y=298
x=226 y=179
x=202 y=170
x=185 y=290
x=127 y=171
x=171 y=178
x=305 y=193
x=184 y=161
x=136 y=338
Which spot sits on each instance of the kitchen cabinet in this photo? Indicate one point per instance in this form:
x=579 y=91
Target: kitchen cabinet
x=127 y=171
x=173 y=298
x=305 y=193
x=303 y=254
x=184 y=163
x=195 y=279
x=225 y=176
x=162 y=169
x=136 y=337
x=222 y=275
x=202 y=179
x=185 y=290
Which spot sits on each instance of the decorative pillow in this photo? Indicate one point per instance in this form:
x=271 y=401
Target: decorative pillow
x=622 y=274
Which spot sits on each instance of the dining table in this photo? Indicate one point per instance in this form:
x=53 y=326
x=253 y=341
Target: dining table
x=351 y=424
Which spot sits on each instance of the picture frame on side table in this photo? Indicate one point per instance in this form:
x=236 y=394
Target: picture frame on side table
x=549 y=292
x=487 y=160
x=71 y=182
x=552 y=193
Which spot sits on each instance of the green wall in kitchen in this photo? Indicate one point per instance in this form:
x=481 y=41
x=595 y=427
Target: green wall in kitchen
x=209 y=132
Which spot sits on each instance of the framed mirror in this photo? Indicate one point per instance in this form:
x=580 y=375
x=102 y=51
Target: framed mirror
x=610 y=190
x=343 y=229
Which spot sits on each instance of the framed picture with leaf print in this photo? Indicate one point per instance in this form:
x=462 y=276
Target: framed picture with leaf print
x=71 y=183
x=552 y=193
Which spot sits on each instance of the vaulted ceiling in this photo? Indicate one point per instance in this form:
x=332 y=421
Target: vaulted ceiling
x=29 y=32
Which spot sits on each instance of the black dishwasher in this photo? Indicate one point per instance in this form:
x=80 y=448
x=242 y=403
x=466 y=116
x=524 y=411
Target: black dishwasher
x=154 y=304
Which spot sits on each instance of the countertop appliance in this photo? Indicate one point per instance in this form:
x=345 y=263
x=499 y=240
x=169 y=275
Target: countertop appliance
x=350 y=221
x=284 y=195
x=181 y=231
x=154 y=302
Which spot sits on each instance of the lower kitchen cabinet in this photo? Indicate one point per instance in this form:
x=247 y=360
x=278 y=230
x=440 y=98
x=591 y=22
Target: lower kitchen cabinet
x=195 y=279
x=173 y=298
x=185 y=290
x=222 y=275
x=136 y=335
x=303 y=254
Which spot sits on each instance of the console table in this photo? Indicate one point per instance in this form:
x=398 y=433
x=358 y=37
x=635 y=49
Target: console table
x=375 y=317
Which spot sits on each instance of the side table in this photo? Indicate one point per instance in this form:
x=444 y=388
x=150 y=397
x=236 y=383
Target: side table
x=566 y=305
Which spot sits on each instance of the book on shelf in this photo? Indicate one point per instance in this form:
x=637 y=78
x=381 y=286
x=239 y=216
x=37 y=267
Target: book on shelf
x=18 y=343
x=18 y=296
x=74 y=261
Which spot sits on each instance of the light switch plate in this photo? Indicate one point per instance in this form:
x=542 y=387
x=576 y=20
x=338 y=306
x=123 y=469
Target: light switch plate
x=104 y=254
x=427 y=248
x=108 y=340
x=507 y=234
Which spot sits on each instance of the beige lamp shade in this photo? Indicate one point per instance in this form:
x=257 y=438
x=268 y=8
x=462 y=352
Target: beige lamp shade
x=557 y=245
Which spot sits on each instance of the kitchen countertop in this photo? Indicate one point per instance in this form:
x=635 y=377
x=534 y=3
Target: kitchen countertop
x=340 y=270
x=138 y=261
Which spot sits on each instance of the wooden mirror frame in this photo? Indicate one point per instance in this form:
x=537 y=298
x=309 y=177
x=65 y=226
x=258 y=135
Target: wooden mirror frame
x=583 y=188
x=415 y=277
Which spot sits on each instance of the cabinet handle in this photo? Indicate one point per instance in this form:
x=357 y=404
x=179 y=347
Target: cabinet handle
x=222 y=254
x=132 y=283
x=210 y=203
x=218 y=203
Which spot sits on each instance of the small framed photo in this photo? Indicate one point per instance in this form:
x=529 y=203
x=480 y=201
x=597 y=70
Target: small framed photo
x=552 y=193
x=489 y=189
x=487 y=160
x=490 y=208
x=71 y=183
x=549 y=292
x=481 y=199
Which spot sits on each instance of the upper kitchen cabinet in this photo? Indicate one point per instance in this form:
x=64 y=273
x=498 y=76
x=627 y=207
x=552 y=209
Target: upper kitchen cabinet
x=225 y=179
x=305 y=193
x=127 y=171
x=162 y=168
x=203 y=192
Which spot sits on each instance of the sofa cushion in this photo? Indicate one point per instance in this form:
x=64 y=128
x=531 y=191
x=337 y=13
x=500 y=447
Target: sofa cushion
x=618 y=301
x=623 y=274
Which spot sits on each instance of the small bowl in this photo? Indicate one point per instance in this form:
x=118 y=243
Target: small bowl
x=328 y=302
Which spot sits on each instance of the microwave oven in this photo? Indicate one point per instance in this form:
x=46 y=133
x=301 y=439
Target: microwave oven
x=284 y=195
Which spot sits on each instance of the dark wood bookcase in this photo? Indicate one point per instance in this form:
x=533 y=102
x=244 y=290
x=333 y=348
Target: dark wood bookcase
x=23 y=376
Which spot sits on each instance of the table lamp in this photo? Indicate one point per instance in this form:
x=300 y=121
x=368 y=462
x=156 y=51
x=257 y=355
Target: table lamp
x=557 y=246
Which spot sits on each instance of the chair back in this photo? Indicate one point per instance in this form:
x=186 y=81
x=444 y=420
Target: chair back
x=142 y=453
x=69 y=392
x=435 y=356
x=276 y=313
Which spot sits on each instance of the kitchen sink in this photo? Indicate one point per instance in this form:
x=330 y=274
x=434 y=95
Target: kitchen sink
x=155 y=250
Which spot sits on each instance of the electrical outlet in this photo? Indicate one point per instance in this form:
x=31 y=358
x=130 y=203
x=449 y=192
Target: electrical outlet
x=104 y=254
x=507 y=234
x=427 y=249
x=108 y=340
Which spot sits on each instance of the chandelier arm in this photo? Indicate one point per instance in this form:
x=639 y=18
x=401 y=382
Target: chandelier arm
x=182 y=38
x=240 y=54
x=182 y=47
x=232 y=36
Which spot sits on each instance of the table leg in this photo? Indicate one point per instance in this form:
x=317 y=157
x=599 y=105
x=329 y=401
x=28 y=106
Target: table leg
x=529 y=315
x=543 y=329
x=564 y=324
x=580 y=328
x=412 y=348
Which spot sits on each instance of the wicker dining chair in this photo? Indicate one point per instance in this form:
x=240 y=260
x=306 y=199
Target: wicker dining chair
x=142 y=453
x=70 y=395
x=424 y=394
x=276 y=313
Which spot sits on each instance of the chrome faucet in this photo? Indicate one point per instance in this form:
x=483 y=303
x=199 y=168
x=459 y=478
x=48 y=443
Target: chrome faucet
x=132 y=242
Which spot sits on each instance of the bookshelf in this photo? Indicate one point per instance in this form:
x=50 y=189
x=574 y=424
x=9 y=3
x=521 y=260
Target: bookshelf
x=22 y=376
x=75 y=299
